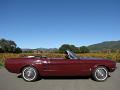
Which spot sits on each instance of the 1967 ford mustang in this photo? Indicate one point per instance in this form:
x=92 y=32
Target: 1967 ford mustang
x=33 y=67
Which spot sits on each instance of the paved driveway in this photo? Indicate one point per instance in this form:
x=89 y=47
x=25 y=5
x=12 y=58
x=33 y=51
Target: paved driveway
x=9 y=81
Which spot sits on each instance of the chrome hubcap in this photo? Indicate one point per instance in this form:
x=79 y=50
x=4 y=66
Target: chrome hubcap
x=29 y=73
x=101 y=73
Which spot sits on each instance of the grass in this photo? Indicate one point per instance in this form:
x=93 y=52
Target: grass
x=1 y=65
x=113 y=56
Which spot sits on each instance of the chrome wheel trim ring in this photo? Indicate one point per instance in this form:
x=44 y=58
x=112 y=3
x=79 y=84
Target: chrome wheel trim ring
x=101 y=72
x=29 y=74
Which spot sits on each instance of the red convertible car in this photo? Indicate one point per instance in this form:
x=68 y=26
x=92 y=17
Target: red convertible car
x=33 y=67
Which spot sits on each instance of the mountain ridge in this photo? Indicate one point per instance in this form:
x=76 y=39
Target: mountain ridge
x=112 y=45
x=106 y=45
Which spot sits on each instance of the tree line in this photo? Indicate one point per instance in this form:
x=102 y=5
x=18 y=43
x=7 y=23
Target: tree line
x=9 y=46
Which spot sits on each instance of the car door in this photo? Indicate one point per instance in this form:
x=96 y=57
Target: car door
x=64 y=67
x=78 y=67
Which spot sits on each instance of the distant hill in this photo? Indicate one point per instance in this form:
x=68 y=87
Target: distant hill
x=47 y=49
x=112 y=45
x=107 y=45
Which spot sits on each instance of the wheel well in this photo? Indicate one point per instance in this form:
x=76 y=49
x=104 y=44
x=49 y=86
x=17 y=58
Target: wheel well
x=104 y=66
x=23 y=68
x=27 y=66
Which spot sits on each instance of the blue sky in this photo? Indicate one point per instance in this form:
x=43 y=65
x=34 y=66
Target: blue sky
x=51 y=23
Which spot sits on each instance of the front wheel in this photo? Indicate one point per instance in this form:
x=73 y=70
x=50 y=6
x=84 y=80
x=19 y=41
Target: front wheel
x=100 y=74
x=29 y=74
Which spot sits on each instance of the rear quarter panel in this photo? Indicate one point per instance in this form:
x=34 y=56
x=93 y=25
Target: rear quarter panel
x=15 y=65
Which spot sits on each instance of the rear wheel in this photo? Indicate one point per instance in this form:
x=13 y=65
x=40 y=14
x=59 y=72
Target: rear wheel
x=100 y=74
x=29 y=74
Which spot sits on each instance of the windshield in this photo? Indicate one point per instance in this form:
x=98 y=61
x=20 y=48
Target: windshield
x=72 y=55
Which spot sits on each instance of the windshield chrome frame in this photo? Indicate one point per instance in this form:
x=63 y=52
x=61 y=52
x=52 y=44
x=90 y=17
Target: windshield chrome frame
x=71 y=55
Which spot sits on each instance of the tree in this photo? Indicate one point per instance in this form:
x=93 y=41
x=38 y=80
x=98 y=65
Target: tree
x=18 y=50
x=1 y=51
x=7 y=46
x=68 y=47
x=84 y=49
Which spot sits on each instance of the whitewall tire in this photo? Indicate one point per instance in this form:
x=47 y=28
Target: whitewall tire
x=100 y=74
x=29 y=74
